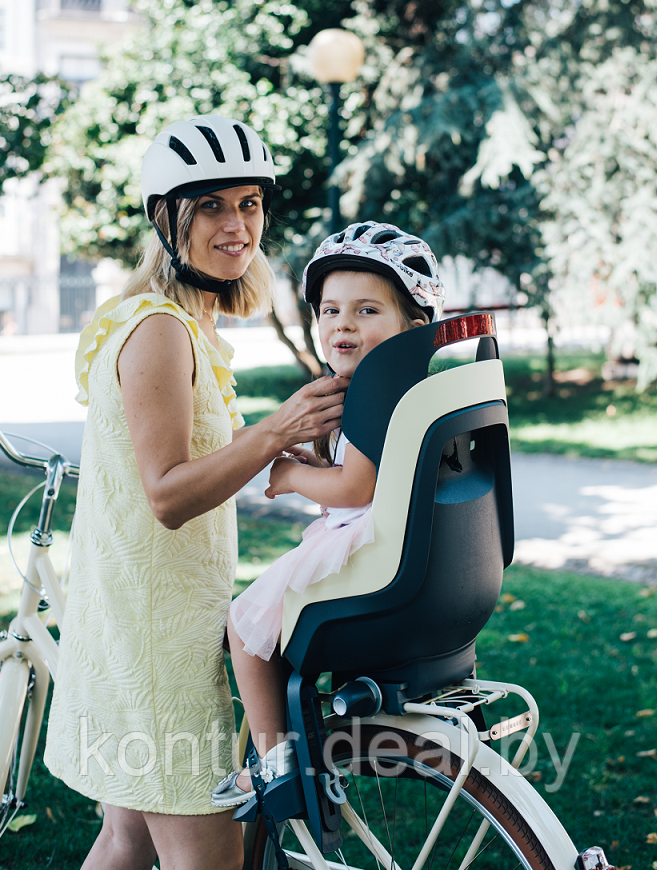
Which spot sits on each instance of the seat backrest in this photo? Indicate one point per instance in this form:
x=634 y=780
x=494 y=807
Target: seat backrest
x=411 y=604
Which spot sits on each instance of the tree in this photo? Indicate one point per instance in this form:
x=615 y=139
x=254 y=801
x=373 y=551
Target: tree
x=466 y=113
x=467 y=129
x=196 y=58
x=28 y=109
x=191 y=58
x=601 y=195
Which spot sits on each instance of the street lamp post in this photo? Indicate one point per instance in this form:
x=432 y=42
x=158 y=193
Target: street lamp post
x=336 y=57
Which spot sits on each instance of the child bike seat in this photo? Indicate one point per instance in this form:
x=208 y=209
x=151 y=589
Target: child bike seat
x=407 y=608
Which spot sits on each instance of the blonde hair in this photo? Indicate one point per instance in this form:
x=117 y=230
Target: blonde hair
x=409 y=310
x=248 y=295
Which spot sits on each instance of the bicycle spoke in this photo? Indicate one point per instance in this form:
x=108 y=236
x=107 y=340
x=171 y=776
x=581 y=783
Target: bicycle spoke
x=362 y=807
x=458 y=842
x=383 y=808
x=394 y=821
x=481 y=852
x=366 y=836
x=426 y=811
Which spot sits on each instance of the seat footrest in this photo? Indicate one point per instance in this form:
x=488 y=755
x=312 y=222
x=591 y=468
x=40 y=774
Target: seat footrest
x=283 y=797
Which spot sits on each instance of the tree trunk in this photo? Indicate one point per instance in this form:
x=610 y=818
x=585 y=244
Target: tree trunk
x=307 y=359
x=548 y=381
x=306 y=318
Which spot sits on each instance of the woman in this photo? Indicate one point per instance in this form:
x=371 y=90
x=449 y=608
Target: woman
x=141 y=717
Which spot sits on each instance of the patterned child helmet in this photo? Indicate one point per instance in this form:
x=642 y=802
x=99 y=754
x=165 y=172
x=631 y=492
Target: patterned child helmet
x=383 y=248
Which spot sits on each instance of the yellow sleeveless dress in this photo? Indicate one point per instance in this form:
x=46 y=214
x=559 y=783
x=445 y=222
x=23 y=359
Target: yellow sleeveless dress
x=141 y=715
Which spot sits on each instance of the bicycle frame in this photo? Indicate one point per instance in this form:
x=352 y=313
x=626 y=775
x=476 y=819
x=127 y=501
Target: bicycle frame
x=28 y=655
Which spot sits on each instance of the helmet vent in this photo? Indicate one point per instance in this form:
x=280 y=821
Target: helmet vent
x=177 y=146
x=358 y=232
x=383 y=237
x=213 y=142
x=241 y=135
x=418 y=264
x=339 y=239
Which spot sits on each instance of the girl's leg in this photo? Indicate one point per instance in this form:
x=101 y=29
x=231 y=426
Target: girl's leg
x=196 y=842
x=124 y=842
x=262 y=689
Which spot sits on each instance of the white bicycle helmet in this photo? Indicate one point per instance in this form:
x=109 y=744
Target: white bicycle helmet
x=382 y=248
x=191 y=158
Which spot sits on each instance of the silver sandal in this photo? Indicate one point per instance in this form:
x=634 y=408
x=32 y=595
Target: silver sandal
x=279 y=760
x=228 y=794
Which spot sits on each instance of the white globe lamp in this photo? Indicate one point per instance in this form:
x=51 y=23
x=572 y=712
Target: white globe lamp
x=336 y=56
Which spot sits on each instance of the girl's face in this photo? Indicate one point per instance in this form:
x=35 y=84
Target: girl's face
x=357 y=312
x=226 y=231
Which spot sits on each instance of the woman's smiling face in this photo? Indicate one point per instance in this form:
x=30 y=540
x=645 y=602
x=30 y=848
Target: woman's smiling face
x=226 y=231
x=358 y=311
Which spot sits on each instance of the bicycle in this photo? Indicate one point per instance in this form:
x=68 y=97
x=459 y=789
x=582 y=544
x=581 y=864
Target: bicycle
x=396 y=764
x=428 y=788
x=28 y=652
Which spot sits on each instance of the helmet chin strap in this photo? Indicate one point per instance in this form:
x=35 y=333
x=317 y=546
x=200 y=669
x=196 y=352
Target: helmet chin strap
x=183 y=273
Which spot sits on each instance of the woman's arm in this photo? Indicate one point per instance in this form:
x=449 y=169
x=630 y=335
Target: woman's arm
x=351 y=485
x=156 y=369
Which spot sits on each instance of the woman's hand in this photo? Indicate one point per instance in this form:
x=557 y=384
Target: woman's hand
x=312 y=411
x=279 y=475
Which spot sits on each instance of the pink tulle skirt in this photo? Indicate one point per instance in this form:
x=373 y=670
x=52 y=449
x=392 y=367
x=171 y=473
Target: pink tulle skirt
x=257 y=613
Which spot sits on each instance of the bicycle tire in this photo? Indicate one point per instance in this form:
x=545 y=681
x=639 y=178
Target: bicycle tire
x=511 y=841
x=13 y=684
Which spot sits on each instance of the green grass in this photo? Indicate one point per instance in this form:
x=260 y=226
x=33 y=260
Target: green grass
x=557 y=634
x=588 y=680
x=14 y=486
x=261 y=391
x=261 y=542
x=585 y=416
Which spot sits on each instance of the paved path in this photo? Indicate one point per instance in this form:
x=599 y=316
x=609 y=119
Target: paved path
x=589 y=515
x=592 y=515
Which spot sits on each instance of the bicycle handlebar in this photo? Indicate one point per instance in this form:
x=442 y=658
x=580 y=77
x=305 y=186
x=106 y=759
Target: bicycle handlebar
x=23 y=459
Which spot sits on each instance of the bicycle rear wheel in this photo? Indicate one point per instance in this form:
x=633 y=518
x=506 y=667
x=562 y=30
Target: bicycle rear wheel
x=396 y=787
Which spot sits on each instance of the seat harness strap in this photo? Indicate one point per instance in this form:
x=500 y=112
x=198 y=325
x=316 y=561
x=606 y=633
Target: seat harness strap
x=270 y=825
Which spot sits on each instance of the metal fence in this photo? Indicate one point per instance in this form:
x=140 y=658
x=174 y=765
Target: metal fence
x=83 y=5
x=31 y=304
x=54 y=7
x=64 y=303
x=77 y=302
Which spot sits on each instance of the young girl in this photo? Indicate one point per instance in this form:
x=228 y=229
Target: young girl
x=365 y=284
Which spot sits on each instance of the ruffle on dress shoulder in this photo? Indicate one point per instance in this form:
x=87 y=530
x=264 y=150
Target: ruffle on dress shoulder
x=115 y=313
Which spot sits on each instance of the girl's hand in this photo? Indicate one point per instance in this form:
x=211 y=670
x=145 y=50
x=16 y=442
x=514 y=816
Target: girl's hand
x=278 y=476
x=302 y=454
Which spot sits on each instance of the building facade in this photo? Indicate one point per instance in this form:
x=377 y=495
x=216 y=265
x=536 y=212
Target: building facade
x=41 y=292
